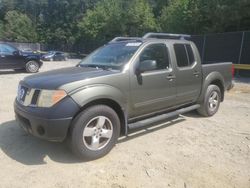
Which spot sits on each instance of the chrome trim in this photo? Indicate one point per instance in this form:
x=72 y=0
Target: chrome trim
x=28 y=96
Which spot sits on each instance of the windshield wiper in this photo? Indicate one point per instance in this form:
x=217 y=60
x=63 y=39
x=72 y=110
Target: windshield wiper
x=103 y=67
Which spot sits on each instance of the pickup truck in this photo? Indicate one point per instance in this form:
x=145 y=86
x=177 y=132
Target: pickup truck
x=13 y=58
x=127 y=83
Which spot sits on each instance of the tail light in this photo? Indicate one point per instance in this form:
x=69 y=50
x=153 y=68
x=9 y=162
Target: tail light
x=233 y=70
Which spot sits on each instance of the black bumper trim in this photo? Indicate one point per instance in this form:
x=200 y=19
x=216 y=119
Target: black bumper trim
x=52 y=129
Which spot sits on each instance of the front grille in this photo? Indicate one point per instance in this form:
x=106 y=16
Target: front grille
x=35 y=97
x=27 y=96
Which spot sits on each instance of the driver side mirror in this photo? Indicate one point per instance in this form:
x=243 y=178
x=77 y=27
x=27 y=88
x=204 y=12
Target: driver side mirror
x=147 y=65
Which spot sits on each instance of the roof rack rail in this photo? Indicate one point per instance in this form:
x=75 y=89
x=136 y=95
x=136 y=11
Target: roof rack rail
x=166 y=36
x=117 y=39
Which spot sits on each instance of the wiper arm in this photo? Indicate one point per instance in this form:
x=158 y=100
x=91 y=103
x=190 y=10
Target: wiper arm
x=103 y=67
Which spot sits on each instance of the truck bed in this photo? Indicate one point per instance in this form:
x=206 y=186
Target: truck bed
x=224 y=68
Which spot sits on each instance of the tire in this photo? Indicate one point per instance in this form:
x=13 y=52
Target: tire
x=32 y=66
x=211 y=101
x=89 y=139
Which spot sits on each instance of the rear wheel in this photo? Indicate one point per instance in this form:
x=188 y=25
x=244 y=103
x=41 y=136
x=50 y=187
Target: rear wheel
x=32 y=66
x=94 y=132
x=211 y=101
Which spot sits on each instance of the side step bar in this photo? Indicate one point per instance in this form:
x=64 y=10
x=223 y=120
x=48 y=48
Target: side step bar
x=162 y=117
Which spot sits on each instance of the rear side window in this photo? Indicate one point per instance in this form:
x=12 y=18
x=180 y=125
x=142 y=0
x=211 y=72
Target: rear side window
x=181 y=55
x=184 y=55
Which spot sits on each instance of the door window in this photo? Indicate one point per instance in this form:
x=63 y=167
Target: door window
x=158 y=53
x=190 y=54
x=6 y=49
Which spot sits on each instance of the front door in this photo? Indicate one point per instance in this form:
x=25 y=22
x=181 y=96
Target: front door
x=8 y=59
x=153 y=90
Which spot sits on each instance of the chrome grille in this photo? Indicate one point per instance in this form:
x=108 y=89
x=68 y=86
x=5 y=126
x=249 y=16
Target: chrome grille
x=27 y=96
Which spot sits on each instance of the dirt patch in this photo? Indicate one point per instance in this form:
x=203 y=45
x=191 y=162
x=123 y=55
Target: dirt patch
x=189 y=151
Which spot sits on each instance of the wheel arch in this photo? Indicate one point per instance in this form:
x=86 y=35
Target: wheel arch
x=214 y=78
x=112 y=104
x=219 y=83
x=103 y=94
x=33 y=58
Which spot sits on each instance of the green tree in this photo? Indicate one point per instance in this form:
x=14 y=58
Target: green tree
x=181 y=16
x=18 y=27
x=140 y=18
x=1 y=30
x=158 y=5
x=85 y=24
x=202 y=16
x=112 y=18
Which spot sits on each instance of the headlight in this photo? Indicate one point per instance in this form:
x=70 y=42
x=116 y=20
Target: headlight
x=48 y=98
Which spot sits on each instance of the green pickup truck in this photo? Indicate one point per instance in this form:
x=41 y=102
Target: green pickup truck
x=128 y=83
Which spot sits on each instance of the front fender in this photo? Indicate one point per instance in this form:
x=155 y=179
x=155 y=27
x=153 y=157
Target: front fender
x=91 y=93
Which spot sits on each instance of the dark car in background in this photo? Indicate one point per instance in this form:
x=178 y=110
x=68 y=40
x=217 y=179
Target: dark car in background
x=54 y=56
x=13 y=58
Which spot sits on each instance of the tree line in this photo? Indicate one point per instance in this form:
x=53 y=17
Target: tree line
x=81 y=25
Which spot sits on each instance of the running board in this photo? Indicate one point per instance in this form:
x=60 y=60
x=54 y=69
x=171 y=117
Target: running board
x=162 y=117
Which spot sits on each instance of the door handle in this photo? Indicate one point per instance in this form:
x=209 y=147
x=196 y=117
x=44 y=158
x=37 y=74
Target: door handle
x=171 y=77
x=196 y=73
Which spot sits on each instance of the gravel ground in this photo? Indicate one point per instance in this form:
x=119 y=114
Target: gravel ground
x=190 y=151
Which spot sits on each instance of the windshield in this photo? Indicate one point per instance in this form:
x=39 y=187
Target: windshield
x=114 y=55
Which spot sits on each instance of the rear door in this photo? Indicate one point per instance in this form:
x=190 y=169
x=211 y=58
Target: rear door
x=188 y=73
x=155 y=89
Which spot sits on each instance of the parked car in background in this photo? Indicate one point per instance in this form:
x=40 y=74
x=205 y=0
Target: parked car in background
x=54 y=56
x=13 y=58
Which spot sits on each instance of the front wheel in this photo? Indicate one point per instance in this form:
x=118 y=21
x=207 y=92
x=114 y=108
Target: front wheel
x=32 y=66
x=94 y=132
x=211 y=101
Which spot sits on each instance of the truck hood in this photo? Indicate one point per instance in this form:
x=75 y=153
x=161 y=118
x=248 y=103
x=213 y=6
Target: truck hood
x=56 y=78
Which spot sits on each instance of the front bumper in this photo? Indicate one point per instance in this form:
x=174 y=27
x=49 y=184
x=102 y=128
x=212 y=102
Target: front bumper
x=47 y=123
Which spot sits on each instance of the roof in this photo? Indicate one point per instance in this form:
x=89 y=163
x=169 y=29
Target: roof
x=154 y=37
